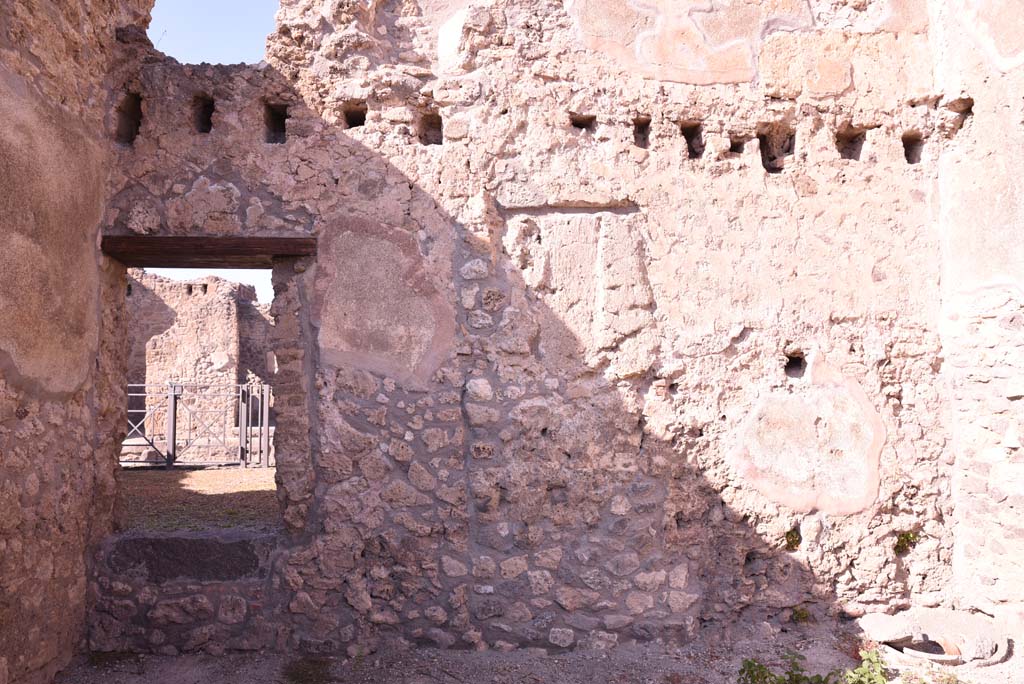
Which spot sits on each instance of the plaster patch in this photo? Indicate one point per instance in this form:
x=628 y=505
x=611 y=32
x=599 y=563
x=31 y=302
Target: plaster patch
x=378 y=308
x=817 y=449
x=998 y=27
x=52 y=183
x=695 y=42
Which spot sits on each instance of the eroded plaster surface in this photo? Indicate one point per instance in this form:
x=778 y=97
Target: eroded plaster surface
x=817 y=449
x=690 y=42
x=537 y=385
x=380 y=309
x=61 y=400
x=52 y=175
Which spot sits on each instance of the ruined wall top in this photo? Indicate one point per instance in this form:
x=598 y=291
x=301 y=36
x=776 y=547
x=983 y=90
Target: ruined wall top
x=871 y=55
x=67 y=49
x=206 y=330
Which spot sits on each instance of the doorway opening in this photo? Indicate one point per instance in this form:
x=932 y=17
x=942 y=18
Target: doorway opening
x=201 y=374
x=199 y=447
x=200 y=367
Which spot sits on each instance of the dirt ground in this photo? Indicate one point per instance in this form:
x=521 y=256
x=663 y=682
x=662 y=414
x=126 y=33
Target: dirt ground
x=159 y=500
x=707 y=662
x=715 y=658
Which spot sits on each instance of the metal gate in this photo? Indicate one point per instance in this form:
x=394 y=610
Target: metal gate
x=199 y=424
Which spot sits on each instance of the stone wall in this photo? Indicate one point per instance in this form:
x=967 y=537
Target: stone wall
x=585 y=366
x=627 y=318
x=186 y=591
x=978 y=207
x=61 y=396
x=256 y=358
x=206 y=331
x=186 y=331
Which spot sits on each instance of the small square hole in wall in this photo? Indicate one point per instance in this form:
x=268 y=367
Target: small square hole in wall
x=913 y=147
x=778 y=141
x=737 y=143
x=796 y=365
x=275 y=121
x=964 y=106
x=431 y=128
x=203 y=107
x=642 y=131
x=129 y=118
x=850 y=142
x=583 y=122
x=355 y=114
x=693 y=132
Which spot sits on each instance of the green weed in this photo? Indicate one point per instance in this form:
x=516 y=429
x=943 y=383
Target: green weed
x=870 y=671
x=906 y=541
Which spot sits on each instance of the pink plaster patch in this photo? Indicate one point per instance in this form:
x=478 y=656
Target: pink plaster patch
x=377 y=306
x=998 y=26
x=689 y=41
x=816 y=449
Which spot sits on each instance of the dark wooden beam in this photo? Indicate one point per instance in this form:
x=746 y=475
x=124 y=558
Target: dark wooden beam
x=173 y=251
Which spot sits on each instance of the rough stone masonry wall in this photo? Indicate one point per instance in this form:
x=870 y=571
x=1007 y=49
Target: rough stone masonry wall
x=208 y=330
x=632 y=450
x=255 y=332
x=167 y=593
x=676 y=282
x=663 y=301
x=61 y=402
x=183 y=331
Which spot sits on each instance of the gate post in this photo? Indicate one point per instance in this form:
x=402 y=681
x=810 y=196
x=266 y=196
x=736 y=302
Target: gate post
x=172 y=424
x=243 y=422
x=265 y=426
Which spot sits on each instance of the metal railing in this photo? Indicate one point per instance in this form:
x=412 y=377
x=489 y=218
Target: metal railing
x=199 y=424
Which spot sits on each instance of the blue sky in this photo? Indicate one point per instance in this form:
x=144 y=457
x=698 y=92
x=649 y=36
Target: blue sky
x=219 y=32
x=215 y=31
x=258 y=278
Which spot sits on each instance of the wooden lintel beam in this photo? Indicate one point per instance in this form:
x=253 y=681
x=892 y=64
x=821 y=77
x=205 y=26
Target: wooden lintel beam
x=179 y=251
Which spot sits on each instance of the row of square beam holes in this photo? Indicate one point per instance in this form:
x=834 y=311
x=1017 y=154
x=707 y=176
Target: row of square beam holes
x=275 y=118
x=775 y=143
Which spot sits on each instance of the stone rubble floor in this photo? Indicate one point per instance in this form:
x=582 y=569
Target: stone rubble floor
x=714 y=659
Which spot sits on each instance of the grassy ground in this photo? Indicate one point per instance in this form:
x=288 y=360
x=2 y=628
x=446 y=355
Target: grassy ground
x=159 y=500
